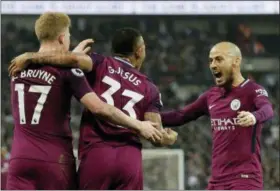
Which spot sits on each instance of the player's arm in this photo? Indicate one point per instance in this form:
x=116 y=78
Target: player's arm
x=263 y=112
x=67 y=59
x=93 y=103
x=169 y=136
x=189 y=113
x=75 y=59
x=152 y=114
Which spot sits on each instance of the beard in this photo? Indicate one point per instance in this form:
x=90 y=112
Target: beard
x=228 y=81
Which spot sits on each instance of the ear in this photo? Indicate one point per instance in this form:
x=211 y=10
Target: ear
x=61 y=39
x=138 y=52
x=238 y=61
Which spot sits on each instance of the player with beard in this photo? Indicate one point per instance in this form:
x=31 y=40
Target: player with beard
x=237 y=108
x=42 y=152
x=111 y=157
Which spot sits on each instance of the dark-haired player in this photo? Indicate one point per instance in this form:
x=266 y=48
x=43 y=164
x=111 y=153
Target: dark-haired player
x=111 y=157
x=42 y=153
x=238 y=108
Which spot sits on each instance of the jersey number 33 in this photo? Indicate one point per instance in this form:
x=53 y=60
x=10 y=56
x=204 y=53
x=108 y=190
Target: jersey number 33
x=116 y=86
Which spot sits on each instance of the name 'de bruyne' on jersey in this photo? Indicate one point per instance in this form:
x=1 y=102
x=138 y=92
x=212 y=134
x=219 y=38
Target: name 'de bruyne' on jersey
x=39 y=74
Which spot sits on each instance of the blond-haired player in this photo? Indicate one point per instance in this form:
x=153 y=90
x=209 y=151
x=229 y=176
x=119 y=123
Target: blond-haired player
x=42 y=152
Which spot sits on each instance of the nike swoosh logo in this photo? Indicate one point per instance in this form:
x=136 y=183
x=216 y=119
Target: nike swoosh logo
x=211 y=106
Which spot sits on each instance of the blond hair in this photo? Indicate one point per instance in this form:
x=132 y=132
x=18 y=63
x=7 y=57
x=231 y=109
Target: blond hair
x=49 y=25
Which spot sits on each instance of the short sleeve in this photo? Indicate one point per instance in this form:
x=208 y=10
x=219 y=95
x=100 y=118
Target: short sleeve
x=77 y=82
x=154 y=102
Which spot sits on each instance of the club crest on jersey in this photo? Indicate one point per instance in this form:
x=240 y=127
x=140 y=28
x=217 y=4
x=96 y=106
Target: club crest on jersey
x=77 y=72
x=235 y=104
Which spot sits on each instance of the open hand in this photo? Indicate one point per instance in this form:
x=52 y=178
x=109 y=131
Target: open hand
x=19 y=63
x=84 y=46
x=246 y=119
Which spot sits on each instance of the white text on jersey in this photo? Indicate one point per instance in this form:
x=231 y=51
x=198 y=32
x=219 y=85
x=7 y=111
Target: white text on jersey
x=125 y=75
x=224 y=124
x=40 y=74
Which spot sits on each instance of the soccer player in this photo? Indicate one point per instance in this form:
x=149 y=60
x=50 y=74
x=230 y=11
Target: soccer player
x=238 y=108
x=111 y=157
x=42 y=153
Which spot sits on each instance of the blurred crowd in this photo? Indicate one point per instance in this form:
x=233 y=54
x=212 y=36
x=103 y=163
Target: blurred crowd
x=177 y=57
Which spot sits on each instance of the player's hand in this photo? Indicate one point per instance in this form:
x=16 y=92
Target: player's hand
x=19 y=63
x=84 y=46
x=246 y=119
x=149 y=131
x=169 y=137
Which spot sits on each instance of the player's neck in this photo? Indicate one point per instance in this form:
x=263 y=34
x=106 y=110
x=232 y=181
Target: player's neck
x=237 y=80
x=130 y=60
x=50 y=47
x=134 y=63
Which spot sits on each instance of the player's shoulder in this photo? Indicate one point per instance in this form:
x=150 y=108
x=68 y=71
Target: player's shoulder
x=211 y=91
x=150 y=84
x=47 y=68
x=65 y=73
x=252 y=84
x=97 y=58
x=40 y=74
x=36 y=71
x=255 y=88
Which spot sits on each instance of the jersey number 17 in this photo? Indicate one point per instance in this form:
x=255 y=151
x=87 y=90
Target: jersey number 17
x=43 y=90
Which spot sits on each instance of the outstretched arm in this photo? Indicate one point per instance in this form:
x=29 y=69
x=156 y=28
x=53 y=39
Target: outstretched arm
x=188 y=113
x=169 y=136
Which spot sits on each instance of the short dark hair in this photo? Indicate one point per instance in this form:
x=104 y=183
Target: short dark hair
x=124 y=41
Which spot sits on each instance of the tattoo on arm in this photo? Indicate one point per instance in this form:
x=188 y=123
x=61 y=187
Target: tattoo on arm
x=58 y=59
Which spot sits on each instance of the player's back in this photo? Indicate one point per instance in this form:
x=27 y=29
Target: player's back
x=119 y=84
x=41 y=98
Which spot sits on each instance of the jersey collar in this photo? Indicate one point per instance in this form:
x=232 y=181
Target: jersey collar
x=123 y=61
x=243 y=83
x=225 y=91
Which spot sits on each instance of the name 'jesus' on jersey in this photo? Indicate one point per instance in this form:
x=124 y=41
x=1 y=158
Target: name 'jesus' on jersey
x=41 y=100
x=116 y=82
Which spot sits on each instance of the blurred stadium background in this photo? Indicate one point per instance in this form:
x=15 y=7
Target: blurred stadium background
x=178 y=36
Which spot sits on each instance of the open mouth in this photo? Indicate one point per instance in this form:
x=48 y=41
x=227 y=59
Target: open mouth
x=217 y=74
